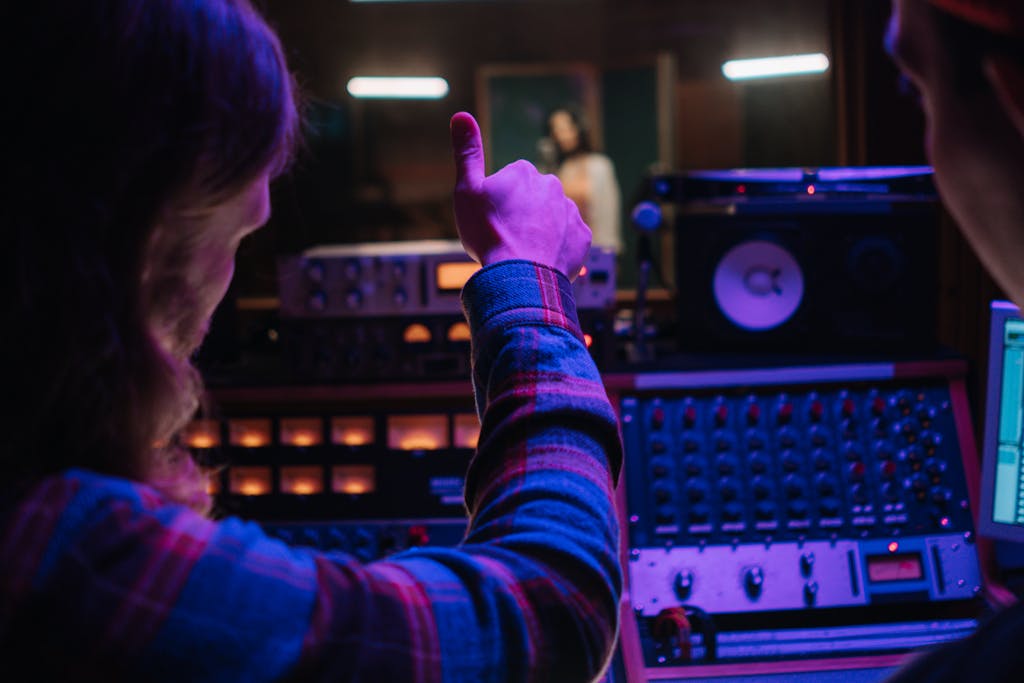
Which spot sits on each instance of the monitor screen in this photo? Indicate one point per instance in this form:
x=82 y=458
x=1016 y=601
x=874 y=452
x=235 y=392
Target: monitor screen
x=1002 y=482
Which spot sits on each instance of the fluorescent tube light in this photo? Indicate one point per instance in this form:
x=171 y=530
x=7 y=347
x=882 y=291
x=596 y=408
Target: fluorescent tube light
x=402 y=87
x=770 y=67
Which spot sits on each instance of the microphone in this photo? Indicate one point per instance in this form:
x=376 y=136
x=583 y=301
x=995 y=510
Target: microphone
x=547 y=154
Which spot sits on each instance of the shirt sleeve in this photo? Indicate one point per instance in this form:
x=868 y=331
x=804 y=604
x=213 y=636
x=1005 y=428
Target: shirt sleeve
x=125 y=586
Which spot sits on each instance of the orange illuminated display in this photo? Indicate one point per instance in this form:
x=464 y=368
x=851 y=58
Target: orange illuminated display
x=418 y=432
x=202 y=434
x=417 y=334
x=459 y=332
x=301 y=431
x=249 y=481
x=302 y=480
x=353 y=480
x=352 y=431
x=452 y=276
x=467 y=430
x=249 y=433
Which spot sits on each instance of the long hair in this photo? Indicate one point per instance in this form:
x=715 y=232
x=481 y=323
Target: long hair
x=584 y=146
x=143 y=104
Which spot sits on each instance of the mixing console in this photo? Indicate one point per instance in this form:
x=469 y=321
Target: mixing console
x=838 y=506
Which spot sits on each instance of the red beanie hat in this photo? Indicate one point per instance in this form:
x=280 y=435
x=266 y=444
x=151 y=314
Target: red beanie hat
x=999 y=16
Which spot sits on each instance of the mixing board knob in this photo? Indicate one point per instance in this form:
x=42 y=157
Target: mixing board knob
x=398 y=270
x=765 y=510
x=891 y=491
x=315 y=271
x=795 y=486
x=935 y=467
x=819 y=436
x=700 y=513
x=931 y=441
x=693 y=465
x=816 y=411
x=919 y=485
x=878 y=406
x=822 y=460
x=907 y=429
x=662 y=494
x=683 y=584
x=753 y=414
x=940 y=496
x=791 y=461
x=927 y=415
x=915 y=456
x=797 y=509
x=883 y=450
x=351 y=269
x=852 y=451
x=859 y=494
x=658 y=446
x=855 y=471
x=756 y=440
x=729 y=489
x=829 y=507
x=696 y=491
x=657 y=418
x=753 y=582
x=666 y=515
x=723 y=441
x=689 y=417
x=784 y=413
x=887 y=469
x=848 y=408
x=732 y=512
x=787 y=438
x=317 y=302
x=726 y=464
x=807 y=563
x=761 y=487
x=660 y=468
x=759 y=463
x=826 y=485
x=811 y=592
x=400 y=297
x=721 y=414
x=848 y=428
x=354 y=298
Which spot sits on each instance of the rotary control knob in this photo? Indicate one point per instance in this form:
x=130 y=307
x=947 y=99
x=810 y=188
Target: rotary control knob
x=399 y=297
x=919 y=485
x=829 y=507
x=791 y=461
x=784 y=413
x=883 y=450
x=852 y=451
x=353 y=298
x=887 y=469
x=794 y=486
x=931 y=441
x=855 y=471
x=315 y=271
x=822 y=460
x=662 y=494
x=753 y=413
x=732 y=512
x=683 y=584
x=660 y=468
x=848 y=408
x=729 y=488
x=700 y=513
x=721 y=414
x=759 y=462
x=398 y=270
x=797 y=509
x=317 y=302
x=859 y=494
x=878 y=406
x=816 y=410
x=657 y=418
x=696 y=491
x=765 y=510
x=689 y=417
x=351 y=269
x=826 y=485
x=807 y=563
x=691 y=444
x=693 y=465
x=940 y=496
x=726 y=464
x=753 y=582
x=787 y=438
x=935 y=467
x=811 y=592
x=761 y=487
x=658 y=446
x=907 y=430
x=891 y=491
x=818 y=436
x=914 y=455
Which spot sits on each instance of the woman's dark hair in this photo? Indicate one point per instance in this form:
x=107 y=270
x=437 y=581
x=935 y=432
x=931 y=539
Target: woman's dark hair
x=584 y=146
x=141 y=104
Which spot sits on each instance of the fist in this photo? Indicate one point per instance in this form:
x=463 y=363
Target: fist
x=516 y=213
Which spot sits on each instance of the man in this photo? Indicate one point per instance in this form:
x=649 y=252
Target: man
x=966 y=60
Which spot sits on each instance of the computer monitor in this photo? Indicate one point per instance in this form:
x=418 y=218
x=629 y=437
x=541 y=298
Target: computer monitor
x=1001 y=513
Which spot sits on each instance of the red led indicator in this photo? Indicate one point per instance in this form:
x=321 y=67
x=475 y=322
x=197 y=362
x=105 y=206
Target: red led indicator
x=810 y=189
x=741 y=189
x=894 y=546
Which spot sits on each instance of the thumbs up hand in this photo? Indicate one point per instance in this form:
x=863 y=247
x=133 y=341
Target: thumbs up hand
x=516 y=213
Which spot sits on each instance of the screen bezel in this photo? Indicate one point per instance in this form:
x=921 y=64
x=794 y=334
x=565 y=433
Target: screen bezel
x=1000 y=313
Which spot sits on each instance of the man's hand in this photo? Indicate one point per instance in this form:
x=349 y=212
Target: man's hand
x=516 y=213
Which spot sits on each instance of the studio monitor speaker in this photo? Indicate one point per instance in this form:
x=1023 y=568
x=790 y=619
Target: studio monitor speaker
x=819 y=277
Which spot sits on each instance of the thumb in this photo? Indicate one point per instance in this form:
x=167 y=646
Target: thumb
x=468 y=149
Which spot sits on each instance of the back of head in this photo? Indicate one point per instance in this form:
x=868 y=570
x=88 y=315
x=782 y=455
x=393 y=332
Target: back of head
x=999 y=16
x=141 y=104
